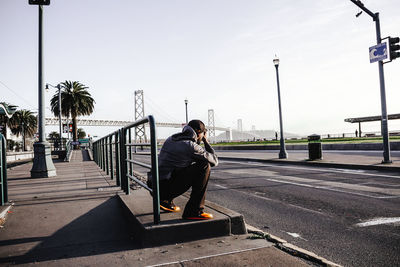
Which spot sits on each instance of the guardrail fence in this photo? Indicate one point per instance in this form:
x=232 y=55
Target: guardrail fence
x=3 y=171
x=114 y=154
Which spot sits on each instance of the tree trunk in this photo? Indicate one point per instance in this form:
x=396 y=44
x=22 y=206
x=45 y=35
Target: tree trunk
x=74 y=129
x=74 y=132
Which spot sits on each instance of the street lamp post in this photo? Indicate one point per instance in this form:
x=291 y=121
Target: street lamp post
x=282 y=152
x=23 y=136
x=186 y=103
x=42 y=163
x=58 y=86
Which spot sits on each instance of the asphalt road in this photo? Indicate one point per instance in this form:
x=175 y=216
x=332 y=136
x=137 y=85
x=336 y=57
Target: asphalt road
x=331 y=212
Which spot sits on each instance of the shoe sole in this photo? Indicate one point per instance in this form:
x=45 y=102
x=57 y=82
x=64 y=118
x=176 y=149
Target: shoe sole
x=171 y=210
x=197 y=218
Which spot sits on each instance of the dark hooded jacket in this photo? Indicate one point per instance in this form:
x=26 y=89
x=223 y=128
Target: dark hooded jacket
x=181 y=150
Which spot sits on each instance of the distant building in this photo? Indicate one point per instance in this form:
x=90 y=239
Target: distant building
x=240 y=125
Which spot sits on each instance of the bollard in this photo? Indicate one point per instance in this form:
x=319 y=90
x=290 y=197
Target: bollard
x=314 y=147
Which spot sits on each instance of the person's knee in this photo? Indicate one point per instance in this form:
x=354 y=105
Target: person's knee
x=205 y=165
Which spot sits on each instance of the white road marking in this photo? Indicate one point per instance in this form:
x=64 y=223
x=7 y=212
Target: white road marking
x=379 y=221
x=357 y=189
x=293 y=234
x=257 y=195
x=330 y=189
x=358 y=172
x=221 y=186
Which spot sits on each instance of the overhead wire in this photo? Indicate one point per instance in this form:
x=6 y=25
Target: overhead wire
x=20 y=97
x=159 y=110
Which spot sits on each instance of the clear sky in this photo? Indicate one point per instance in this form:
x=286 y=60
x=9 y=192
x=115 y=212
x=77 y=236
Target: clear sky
x=216 y=53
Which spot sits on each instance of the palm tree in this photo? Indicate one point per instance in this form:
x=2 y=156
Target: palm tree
x=75 y=101
x=54 y=136
x=23 y=122
x=81 y=133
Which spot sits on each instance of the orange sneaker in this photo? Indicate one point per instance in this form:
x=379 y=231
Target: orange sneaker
x=200 y=216
x=169 y=206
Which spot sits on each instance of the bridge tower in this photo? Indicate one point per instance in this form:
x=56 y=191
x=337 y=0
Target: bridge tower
x=140 y=133
x=211 y=124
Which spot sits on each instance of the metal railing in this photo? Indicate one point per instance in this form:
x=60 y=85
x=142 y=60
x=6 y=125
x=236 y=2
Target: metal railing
x=114 y=154
x=3 y=171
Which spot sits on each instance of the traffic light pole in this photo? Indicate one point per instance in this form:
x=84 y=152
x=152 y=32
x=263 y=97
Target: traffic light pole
x=384 y=122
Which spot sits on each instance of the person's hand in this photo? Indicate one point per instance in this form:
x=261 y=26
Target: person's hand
x=204 y=137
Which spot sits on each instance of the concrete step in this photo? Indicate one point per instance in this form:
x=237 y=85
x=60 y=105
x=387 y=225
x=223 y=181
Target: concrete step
x=172 y=228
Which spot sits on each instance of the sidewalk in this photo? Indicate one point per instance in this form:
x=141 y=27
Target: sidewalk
x=76 y=219
x=368 y=160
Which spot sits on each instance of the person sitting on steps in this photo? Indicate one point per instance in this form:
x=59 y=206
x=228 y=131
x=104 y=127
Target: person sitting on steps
x=184 y=164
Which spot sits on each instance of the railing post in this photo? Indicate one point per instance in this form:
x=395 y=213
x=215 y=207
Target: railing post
x=154 y=171
x=107 y=155
x=103 y=152
x=94 y=152
x=3 y=170
x=111 y=159
x=124 y=165
x=130 y=152
x=100 y=154
x=117 y=158
x=96 y=146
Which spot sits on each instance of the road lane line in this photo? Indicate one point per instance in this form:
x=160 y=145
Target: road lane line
x=270 y=199
x=379 y=221
x=357 y=172
x=364 y=190
x=324 y=188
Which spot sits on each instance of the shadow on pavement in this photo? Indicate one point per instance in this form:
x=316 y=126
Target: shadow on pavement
x=101 y=230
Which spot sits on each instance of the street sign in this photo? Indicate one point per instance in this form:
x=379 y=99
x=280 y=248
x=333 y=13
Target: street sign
x=84 y=140
x=378 y=52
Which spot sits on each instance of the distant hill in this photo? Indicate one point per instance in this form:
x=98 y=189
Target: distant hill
x=251 y=135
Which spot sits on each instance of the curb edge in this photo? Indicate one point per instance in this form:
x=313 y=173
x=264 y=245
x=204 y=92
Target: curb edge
x=290 y=248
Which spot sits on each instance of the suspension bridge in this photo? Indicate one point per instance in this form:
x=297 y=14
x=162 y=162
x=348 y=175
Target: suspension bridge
x=139 y=113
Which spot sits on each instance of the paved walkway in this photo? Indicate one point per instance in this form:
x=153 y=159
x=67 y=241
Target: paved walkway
x=75 y=219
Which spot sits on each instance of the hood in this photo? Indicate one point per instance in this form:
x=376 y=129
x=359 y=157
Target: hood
x=187 y=134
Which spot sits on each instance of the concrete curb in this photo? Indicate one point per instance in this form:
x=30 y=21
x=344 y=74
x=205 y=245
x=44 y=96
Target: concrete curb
x=291 y=249
x=4 y=211
x=318 y=164
x=172 y=229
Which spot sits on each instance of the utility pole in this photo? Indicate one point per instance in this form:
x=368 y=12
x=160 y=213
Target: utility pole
x=384 y=122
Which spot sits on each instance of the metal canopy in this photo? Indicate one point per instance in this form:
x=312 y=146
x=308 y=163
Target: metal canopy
x=7 y=110
x=372 y=118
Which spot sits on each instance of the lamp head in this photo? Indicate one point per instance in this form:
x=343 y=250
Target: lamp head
x=47 y=87
x=276 y=61
x=186 y=101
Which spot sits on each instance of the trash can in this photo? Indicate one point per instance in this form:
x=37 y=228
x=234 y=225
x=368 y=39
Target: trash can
x=314 y=147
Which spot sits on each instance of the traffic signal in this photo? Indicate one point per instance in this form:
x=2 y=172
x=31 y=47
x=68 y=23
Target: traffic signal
x=39 y=2
x=394 y=47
